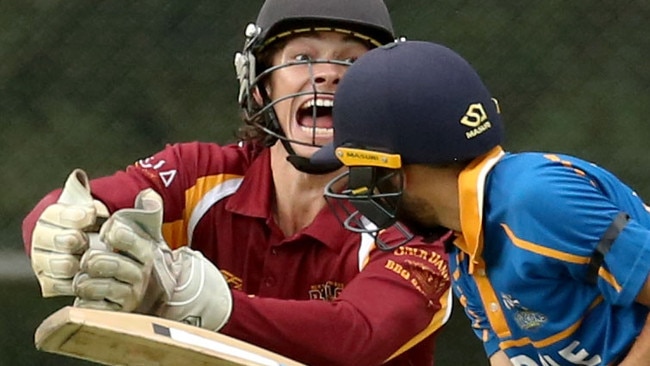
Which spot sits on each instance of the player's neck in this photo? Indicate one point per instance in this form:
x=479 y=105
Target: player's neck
x=298 y=196
x=435 y=193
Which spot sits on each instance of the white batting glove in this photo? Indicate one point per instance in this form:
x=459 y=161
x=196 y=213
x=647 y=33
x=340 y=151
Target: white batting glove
x=139 y=272
x=62 y=234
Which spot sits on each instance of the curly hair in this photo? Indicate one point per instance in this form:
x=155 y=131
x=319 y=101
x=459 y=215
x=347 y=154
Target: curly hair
x=250 y=131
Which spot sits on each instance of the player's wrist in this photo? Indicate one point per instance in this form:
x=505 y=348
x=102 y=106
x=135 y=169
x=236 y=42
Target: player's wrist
x=201 y=295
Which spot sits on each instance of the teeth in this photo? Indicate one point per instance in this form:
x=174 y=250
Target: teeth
x=317 y=130
x=319 y=103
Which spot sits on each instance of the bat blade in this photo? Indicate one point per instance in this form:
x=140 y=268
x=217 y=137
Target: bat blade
x=113 y=338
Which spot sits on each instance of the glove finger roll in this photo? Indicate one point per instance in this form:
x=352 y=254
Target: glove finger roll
x=56 y=239
x=126 y=237
x=70 y=216
x=104 y=289
x=55 y=287
x=55 y=265
x=102 y=264
x=96 y=304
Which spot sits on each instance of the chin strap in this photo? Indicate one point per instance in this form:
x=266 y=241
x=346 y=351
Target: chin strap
x=304 y=165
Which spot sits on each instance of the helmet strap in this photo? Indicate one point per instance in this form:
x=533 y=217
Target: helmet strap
x=305 y=165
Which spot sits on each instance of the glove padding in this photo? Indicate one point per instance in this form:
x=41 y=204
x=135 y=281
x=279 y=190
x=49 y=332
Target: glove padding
x=62 y=234
x=139 y=272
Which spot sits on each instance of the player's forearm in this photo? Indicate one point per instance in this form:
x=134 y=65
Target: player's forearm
x=643 y=296
x=321 y=332
x=500 y=359
x=309 y=331
x=639 y=354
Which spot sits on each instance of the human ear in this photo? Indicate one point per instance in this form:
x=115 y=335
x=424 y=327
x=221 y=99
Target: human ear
x=257 y=95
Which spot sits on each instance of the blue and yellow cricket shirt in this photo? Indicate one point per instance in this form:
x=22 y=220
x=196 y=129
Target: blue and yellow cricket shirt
x=552 y=255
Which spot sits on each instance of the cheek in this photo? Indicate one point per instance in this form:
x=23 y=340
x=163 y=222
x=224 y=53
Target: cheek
x=283 y=82
x=276 y=87
x=407 y=201
x=415 y=203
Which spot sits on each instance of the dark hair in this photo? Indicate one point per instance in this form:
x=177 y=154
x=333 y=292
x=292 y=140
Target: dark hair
x=249 y=131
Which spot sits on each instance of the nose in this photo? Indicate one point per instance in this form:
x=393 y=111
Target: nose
x=327 y=73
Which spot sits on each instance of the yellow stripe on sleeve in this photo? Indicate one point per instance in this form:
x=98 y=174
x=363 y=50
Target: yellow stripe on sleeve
x=175 y=233
x=609 y=278
x=567 y=257
x=195 y=194
x=438 y=320
x=548 y=252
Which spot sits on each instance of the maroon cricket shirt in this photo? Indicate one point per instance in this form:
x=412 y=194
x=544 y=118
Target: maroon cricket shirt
x=324 y=296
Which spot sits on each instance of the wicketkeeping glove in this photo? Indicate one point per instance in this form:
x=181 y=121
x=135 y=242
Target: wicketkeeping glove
x=139 y=272
x=62 y=234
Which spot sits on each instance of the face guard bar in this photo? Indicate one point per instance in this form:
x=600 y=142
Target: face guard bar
x=264 y=117
x=373 y=193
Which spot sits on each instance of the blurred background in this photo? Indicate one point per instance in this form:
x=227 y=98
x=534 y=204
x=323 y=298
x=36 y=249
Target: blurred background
x=101 y=84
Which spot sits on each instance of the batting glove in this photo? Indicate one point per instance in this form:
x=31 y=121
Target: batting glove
x=62 y=234
x=139 y=272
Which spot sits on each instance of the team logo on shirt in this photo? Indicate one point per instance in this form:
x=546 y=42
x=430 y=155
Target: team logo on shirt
x=525 y=318
x=327 y=291
x=233 y=281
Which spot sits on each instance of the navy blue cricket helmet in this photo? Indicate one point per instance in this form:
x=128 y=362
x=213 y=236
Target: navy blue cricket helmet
x=419 y=100
x=408 y=102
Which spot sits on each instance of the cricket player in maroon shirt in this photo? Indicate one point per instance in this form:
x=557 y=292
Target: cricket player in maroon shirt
x=239 y=238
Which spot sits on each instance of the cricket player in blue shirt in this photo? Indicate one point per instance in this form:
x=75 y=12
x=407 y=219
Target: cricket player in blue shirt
x=551 y=253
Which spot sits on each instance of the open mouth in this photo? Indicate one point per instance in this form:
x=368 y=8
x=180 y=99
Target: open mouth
x=315 y=115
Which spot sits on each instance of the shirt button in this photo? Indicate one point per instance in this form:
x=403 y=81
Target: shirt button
x=274 y=251
x=494 y=307
x=269 y=281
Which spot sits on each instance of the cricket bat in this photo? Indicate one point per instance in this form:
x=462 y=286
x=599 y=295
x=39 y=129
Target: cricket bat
x=113 y=338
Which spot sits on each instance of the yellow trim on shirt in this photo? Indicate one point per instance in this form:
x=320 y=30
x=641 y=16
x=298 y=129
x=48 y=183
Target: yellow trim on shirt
x=439 y=319
x=552 y=339
x=491 y=304
x=548 y=252
x=175 y=232
x=609 y=278
x=195 y=193
x=471 y=183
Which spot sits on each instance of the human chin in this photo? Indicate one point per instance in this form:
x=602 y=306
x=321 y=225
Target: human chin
x=304 y=150
x=409 y=213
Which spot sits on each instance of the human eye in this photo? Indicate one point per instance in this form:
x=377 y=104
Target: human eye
x=348 y=57
x=302 y=57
